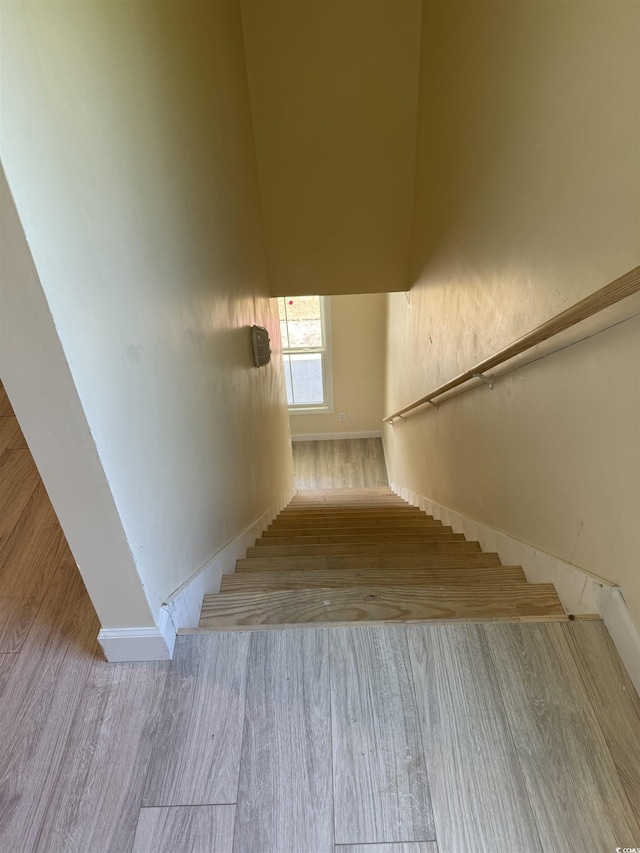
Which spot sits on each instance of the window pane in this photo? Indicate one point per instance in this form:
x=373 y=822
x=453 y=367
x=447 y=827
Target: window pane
x=282 y=313
x=303 y=321
x=287 y=379
x=306 y=377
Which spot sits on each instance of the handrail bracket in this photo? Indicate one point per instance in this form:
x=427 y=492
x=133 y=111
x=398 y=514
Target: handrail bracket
x=488 y=380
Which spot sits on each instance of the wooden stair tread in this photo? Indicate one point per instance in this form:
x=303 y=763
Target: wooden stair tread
x=459 y=547
x=365 y=537
x=338 y=524
x=345 y=562
x=305 y=579
x=397 y=604
x=340 y=509
x=328 y=503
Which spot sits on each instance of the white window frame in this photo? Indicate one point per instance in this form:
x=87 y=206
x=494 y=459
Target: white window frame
x=327 y=365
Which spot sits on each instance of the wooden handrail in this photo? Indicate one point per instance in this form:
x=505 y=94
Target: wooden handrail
x=626 y=285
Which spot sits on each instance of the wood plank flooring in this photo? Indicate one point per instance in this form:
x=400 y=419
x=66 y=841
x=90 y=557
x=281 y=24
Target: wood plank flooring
x=339 y=464
x=193 y=756
x=335 y=732
x=380 y=778
x=559 y=730
x=285 y=796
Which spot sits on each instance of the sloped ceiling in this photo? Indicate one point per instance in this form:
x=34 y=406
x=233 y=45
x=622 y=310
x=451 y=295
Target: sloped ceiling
x=334 y=91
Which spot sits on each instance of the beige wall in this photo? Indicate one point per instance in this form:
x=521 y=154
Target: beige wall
x=527 y=199
x=334 y=90
x=127 y=143
x=358 y=332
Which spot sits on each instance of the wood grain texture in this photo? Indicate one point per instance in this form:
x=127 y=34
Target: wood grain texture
x=400 y=847
x=343 y=499
x=30 y=556
x=5 y=405
x=285 y=800
x=365 y=537
x=339 y=464
x=196 y=754
x=373 y=548
x=310 y=525
x=6 y=665
x=306 y=579
x=37 y=707
x=18 y=479
x=95 y=802
x=354 y=510
x=9 y=433
x=613 y=698
x=189 y=829
x=479 y=798
x=339 y=498
x=377 y=604
x=576 y=795
x=356 y=562
x=380 y=782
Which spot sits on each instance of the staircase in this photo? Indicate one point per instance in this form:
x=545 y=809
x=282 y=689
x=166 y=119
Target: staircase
x=344 y=556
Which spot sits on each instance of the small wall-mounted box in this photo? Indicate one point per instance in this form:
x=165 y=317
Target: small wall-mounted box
x=261 y=346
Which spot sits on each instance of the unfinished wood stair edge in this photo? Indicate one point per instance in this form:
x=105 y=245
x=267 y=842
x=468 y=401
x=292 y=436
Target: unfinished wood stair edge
x=455 y=547
x=364 y=539
x=365 y=603
x=306 y=579
x=357 y=524
x=390 y=562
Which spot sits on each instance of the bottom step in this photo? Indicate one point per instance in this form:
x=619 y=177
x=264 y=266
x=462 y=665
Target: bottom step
x=378 y=604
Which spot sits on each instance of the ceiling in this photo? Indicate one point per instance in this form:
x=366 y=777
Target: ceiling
x=334 y=95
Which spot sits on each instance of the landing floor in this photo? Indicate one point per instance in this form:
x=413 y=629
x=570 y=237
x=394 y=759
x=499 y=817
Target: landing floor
x=355 y=463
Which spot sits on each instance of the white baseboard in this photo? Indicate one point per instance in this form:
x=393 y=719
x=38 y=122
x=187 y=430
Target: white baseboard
x=184 y=605
x=579 y=591
x=137 y=644
x=626 y=637
x=335 y=436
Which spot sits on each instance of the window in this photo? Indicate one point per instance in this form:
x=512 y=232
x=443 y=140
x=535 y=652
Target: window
x=306 y=348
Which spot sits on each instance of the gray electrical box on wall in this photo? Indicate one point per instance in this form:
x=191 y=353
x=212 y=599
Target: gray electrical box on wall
x=260 y=344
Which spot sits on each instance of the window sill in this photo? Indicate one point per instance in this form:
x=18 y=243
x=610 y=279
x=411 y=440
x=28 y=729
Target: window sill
x=311 y=410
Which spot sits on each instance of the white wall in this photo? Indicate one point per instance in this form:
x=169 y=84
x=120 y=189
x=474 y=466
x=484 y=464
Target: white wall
x=127 y=144
x=526 y=201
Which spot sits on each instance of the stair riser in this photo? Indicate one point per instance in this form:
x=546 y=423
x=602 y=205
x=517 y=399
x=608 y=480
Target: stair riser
x=328 y=524
x=373 y=561
x=270 y=581
x=350 y=548
x=368 y=539
x=417 y=527
x=373 y=503
x=350 y=511
x=364 y=538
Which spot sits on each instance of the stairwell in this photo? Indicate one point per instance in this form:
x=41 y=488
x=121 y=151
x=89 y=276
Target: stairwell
x=347 y=556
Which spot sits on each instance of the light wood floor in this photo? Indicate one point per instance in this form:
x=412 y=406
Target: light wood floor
x=341 y=464
x=399 y=739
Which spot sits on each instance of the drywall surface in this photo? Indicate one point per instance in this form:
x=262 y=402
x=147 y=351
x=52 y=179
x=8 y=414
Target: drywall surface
x=37 y=378
x=333 y=95
x=527 y=200
x=358 y=337
x=127 y=143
